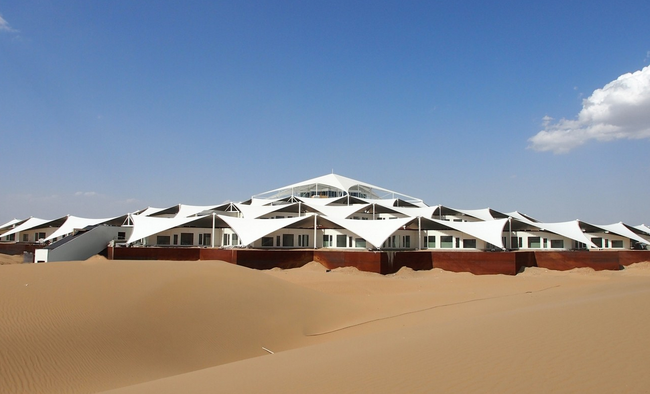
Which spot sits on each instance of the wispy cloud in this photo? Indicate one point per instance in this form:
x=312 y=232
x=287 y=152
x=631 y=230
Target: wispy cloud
x=619 y=110
x=85 y=194
x=4 y=26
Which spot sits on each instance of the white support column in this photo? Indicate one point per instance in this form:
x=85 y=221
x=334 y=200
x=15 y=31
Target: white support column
x=419 y=232
x=315 y=229
x=213 y=219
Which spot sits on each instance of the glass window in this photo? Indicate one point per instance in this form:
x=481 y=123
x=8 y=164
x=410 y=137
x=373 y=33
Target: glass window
x=557 y=244
x=534 y=242
x=598 y=242
x=207 y=239
x=446 y=241
x=121 y=236
x=469 y=243
x=303 y=240
x=175 y=239
x=235 y=239
x=327 y=240
x=617 y=243
x=431 y=242
x=187 y=239
x=163 y=240
x=360 y=243
x=341 y=241
x=267 y=242
x=287 y=240
x=406 y=241
x=226 y=239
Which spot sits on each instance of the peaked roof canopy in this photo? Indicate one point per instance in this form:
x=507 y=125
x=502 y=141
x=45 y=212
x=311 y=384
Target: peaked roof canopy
x=333 y=185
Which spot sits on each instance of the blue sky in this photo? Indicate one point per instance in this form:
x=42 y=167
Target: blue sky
x=107 y=107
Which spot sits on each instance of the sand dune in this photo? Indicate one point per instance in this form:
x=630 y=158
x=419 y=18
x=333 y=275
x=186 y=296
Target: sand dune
x=168 y=327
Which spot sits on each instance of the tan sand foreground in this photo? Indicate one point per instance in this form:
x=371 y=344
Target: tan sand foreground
x=213 y=327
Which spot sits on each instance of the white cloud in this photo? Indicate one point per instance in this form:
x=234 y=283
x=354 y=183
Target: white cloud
x=85 y=194
x=620 y=110
x=4 y=25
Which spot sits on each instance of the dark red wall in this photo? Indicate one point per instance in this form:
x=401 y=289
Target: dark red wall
x=562 y=261
x=509 y=263
x=18 y=248
x=628 y=257
x=480 y=263
x=364 y=261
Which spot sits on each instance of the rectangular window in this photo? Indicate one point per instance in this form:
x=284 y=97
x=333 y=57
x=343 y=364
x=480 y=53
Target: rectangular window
x=303 y=240
x=163 y=240
x=521 y=243
x=360 y=243
x=534 y=242
x=267 y=242
x=457 y=243
x=277 y=240
x=446 y=241
x=406 y=241
x=207 y=239
x=235 y=239
x=606 y=242
x=11 y=237
x=545 y=243
x=175 y=239
x=341 y=241
x=557 y=244
x=514 y=242
x=187 y=239
x=431 y=242
x=121 y=236
x=327 y=241
x=226 y=239
x=617 y=243
x=25 y=237
x=598 y=242
x=287 y=240
x=469 y=244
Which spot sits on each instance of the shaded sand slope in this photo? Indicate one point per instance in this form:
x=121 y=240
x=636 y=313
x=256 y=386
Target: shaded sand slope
x=96 y=325
x=539 y=332
x=11 y=259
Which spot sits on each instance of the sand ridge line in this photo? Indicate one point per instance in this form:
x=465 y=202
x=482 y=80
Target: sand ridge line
x=473 y=300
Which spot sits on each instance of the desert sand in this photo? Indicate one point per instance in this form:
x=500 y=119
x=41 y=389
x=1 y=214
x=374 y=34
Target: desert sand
x=213 y=327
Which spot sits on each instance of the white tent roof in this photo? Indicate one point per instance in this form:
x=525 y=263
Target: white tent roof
x=339 y=211
x=9 y=224
x=318 y=201
x=72 y=223
x=373 y=231
x=521 y=217
x=482 y=214
x=569 y=230
x=189 y=210
x=643 y=228
x=341 y=183
x=149 y=211
x=144 y=226
x=26 y=225
x=425 y=212
x=250 y=230
x=622 y=230
x=489 y=231
x=255 y=211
